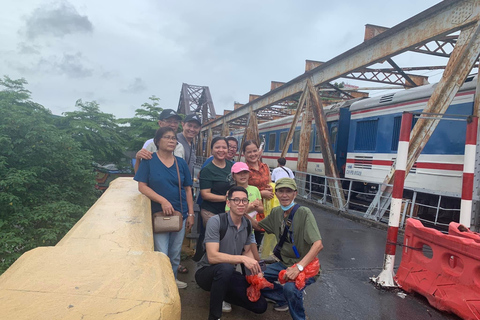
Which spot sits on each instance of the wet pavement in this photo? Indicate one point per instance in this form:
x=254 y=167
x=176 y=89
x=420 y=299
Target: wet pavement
x=352 y=253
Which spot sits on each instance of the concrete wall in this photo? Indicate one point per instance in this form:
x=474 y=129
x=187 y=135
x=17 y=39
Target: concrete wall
x=104 y=268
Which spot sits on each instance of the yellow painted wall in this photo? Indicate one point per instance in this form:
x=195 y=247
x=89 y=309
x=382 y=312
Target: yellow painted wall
x=104 y=268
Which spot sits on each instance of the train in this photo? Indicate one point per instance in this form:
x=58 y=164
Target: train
x=364 y=135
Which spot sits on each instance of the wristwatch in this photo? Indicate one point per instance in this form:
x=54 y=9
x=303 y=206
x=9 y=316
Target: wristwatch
x=300 y=267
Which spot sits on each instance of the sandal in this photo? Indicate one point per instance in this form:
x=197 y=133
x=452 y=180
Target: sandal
x=182 y=269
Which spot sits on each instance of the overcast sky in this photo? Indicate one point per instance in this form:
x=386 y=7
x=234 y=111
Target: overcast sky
x=121 y=52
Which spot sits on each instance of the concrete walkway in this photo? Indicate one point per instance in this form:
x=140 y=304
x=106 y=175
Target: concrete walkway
x=352 y=253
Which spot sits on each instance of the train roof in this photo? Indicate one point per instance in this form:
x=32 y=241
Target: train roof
x=417 y=93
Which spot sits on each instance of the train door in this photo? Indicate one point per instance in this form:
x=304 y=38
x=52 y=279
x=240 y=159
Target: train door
x=341 y=141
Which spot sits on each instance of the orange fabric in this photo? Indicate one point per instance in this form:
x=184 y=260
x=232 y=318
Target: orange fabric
x=259 y=178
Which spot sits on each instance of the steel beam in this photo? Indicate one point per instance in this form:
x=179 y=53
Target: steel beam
x=305 y=136
x=404 y=75
x=462 y=60
x=387 y=77
x=440 y=20
x=289 y=138
x=336 y=191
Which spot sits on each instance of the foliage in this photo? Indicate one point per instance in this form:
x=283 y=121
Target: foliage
x=339 y=84
x=96 y=131
x=46 y=180
x=143 y=125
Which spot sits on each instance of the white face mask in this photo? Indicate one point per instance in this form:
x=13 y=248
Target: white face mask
x=288 y=207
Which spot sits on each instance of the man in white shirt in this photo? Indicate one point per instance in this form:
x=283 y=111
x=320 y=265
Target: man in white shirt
x=281 y=171
x=167 y=118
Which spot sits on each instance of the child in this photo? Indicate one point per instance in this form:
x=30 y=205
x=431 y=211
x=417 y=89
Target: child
x=240 y=175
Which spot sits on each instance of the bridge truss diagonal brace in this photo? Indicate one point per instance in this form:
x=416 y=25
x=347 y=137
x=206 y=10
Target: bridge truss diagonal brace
x=462 y=60
x=335 y=185
x=301 y=103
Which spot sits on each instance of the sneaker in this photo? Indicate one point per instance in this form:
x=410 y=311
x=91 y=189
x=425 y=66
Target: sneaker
x=270 y=300
x=280 y=308
x=181 y=284
x=226 y=307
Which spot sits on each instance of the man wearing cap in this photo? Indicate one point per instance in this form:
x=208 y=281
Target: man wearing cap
x=216 y=270
x=167 y=118
x=301 y=245
x=191 y=128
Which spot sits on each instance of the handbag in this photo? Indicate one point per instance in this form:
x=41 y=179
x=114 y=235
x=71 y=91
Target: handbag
x=163 y=223
x=173 y=223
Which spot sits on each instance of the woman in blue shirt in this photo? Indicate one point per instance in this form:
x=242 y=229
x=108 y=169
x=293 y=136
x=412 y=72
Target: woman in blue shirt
x=158 y=180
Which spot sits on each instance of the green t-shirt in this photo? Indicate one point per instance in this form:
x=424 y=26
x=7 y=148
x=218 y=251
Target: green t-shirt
x=253 y=194
x=218 y=180
x=305 y=232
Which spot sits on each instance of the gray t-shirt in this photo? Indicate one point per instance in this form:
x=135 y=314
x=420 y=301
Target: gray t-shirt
x=233 y=241
x=190 y=156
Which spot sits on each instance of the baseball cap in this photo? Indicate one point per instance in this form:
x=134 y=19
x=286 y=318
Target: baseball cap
x=168 y=113
x=193 y=117
x=285 y=183
x=239 y=167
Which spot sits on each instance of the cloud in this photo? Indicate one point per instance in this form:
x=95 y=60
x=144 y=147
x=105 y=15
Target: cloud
x=72 y=66
x=137 y=86
x=57 y=19
x=24 y=48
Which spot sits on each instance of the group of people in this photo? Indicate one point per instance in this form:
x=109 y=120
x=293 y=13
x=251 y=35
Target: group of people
x=232 y=196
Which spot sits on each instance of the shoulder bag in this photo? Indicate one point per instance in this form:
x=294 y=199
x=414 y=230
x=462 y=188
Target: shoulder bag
x=174 y=223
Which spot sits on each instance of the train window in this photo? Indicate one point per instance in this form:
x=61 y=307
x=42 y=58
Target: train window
x=296 y=140
x=312 y=140
x=366 y=135
x=333 y=134
x=263 y=142
x=283 y=137
x=397 y=122
x=271 y=141
x=396 y=132
x=318 y=148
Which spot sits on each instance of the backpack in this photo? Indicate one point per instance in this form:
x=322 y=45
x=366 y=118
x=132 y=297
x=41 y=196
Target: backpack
x=223 y=230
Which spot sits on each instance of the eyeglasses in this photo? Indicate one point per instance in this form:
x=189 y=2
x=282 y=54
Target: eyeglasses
x=172 y=138
x=232 y=147
x=238 y=200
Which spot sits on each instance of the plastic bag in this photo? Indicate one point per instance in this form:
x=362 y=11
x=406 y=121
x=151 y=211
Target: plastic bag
x=309 y=271
x=257 y=282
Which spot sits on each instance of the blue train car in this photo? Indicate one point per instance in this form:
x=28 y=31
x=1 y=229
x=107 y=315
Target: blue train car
x=374 y=132
x=364 y=135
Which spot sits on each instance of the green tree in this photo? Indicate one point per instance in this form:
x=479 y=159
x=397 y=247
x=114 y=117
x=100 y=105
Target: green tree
x=96 y=131
x=143 y=125
x=46 y=179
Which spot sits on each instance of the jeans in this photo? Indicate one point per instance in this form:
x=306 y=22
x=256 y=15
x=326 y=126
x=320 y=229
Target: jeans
x=226 y=284
x=287 y=293
x=170 y=243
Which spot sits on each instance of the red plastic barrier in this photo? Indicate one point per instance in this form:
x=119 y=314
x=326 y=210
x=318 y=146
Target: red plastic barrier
x=458 y=230
x=450 y=279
